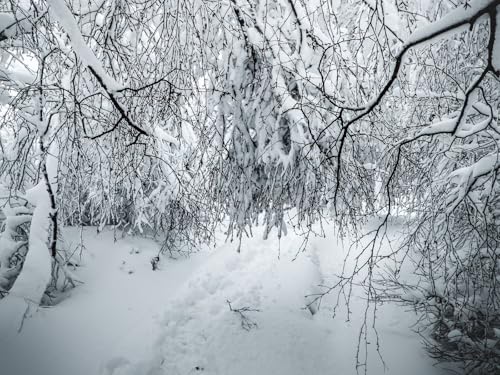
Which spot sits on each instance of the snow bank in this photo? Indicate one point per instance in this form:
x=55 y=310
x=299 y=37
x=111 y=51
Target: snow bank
x=29 y=287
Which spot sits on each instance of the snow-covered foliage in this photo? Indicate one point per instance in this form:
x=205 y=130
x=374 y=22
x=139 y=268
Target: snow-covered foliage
x=115 y=105
x=170 y=117
x=13 y=243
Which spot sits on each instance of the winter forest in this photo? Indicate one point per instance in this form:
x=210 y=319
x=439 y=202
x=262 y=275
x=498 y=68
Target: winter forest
x=249 y=187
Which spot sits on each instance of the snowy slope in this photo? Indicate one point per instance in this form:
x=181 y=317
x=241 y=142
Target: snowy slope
x=126 y=319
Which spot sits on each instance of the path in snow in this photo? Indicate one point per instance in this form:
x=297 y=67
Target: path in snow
x=200 y=335
x=128 y=320
x=199 y=331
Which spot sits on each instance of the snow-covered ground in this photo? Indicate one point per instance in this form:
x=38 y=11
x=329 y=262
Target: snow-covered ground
x=127 y=319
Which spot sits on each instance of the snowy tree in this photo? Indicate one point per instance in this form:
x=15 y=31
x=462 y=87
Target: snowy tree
x=314 y=116
x=163 y=119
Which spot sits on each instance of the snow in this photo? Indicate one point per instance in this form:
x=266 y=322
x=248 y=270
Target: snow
x=127 y=319
x=445 y=126
x=62 y=14
x=454 y=21
x=164 y=136
x=19 y=76
x=118 y=301
x=485 y=165
x=495 y=58
x=14 y=216
x=31 y=283
x=455 y=335
x=10 y=27
x=6 y=21
x=497 y=332
x=221 y=311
